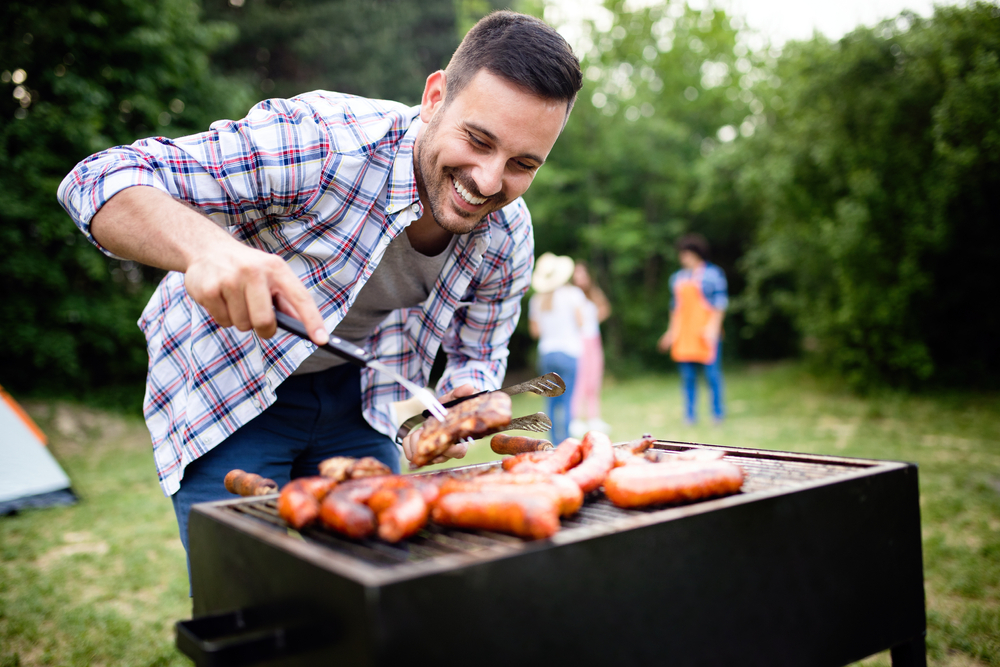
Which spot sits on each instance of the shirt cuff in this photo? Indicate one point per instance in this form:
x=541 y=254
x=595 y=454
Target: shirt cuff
x=86 y=189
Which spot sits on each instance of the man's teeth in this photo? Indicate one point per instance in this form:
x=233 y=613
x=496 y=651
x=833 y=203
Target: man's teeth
x=466 y=195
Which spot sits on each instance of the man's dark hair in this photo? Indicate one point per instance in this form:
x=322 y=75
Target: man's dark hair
x=694 y=242
x=522 y=49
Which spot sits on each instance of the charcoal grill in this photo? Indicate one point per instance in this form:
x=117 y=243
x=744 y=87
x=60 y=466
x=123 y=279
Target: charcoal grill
x=816 y=562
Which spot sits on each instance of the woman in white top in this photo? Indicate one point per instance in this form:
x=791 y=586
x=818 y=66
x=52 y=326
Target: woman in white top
x=555 y=317
x=590 y=368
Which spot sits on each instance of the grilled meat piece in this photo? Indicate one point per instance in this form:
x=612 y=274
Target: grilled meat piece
x=369 y=466
x=678 y=481
x=517 y=444
x=533 y=516
x=249 y=484
x=400 y=512
x=299 y=501
x=568 y=454
x=473 y=418
x=566 y=492
x=395 y=504
x=590 y=474
x=343 y=468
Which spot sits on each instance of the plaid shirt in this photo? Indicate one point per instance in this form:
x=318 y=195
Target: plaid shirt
x=325 y=181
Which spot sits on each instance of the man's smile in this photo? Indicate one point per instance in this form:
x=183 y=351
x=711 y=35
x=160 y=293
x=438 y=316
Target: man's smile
x=466 y=195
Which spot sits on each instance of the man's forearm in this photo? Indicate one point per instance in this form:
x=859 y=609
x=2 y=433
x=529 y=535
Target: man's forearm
x=149 y=226
x=238 y=285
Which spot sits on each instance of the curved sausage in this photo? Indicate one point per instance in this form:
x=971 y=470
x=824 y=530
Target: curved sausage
x=591 y=473
x=531 y=516
x=358 y=506
x=400 y=512
x=525 y=457
x=249 y=484
x=505 y=444
x=298 y=503
x=639 y=486
x=562 y=458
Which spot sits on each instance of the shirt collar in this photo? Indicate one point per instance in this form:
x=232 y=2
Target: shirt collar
x=402 y=191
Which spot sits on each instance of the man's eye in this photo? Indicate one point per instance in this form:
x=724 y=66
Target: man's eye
x=476 y=141
x=524 y=166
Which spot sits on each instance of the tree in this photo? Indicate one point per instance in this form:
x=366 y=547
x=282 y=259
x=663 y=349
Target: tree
x=80 y=77
x=877 y=183
x=374 y=48
x=666 y=87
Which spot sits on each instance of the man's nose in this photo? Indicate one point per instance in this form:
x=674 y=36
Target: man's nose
x=489 y=176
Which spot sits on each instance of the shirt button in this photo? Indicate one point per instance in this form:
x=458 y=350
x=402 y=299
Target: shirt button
x=415 y=208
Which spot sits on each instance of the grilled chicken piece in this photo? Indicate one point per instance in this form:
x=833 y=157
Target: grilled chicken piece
x=473 y=418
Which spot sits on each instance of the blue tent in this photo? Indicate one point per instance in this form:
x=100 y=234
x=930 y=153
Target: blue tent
x=29 y=475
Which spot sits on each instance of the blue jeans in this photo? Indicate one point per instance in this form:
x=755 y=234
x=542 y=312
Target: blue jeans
x=558 y=408
x=316 y=416
x=689 y=379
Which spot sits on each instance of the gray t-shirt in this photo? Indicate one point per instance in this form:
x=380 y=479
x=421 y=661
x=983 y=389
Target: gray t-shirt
x=402 y=279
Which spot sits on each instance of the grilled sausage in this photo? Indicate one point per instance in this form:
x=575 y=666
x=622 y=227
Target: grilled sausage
x=532 y=516
x=344 y=509
x=637 y=446
x=369 y=466
x=343 y=468
x=565 y=491
x=591 y=472
x=398 y=502
x=249 y=484
x=562 y=458
x=639 y=486
x=400 y=512
x=533 y=457
x=299 y=501
x=517 y=444
x=473 y=418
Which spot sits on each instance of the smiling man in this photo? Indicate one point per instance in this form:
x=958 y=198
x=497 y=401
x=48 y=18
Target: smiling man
x=400 y=229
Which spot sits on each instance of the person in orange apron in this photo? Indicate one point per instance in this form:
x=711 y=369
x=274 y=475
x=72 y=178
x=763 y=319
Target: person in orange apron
x=694 y=335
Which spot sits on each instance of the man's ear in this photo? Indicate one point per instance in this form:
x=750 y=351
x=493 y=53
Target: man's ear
x=434 y=94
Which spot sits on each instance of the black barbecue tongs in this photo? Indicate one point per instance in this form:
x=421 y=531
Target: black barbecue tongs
x=337 y=346
x=364 y=359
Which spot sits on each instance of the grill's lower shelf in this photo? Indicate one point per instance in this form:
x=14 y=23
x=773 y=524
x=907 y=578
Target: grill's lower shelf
x=816 y=562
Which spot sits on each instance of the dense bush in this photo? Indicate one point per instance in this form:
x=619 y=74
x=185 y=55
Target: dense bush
x=878 y=185
x=849 y=188
x=79 y=77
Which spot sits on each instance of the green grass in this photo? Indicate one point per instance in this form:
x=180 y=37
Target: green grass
x=102 y=582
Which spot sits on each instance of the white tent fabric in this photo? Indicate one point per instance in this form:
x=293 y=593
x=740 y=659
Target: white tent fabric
x=29 y=475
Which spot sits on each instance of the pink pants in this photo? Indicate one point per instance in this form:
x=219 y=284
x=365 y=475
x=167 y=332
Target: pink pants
x=589 y=373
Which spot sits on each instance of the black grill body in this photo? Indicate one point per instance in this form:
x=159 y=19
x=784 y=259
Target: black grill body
x=817 y=562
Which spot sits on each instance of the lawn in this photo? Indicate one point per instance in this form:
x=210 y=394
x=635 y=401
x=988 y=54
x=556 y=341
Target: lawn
x=102 y=582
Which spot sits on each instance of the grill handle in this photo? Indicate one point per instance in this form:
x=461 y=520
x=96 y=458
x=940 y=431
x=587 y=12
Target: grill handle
x=249 y=636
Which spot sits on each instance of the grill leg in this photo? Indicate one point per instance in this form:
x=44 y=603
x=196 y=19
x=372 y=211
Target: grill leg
x=910 y=654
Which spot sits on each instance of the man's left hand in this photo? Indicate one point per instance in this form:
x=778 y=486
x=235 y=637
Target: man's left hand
x=456 y=451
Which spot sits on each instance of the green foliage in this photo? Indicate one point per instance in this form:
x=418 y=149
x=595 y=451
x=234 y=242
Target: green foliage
x=623 y=181
x=876 y=178
x=77 y=78
x=375 y=48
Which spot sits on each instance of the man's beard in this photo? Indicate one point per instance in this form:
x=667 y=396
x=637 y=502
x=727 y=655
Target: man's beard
x=439 y=190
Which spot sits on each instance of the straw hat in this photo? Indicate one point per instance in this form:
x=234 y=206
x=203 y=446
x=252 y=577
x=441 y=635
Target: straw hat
x=551 y=272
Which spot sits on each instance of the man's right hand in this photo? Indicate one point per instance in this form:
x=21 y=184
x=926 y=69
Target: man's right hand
x=238 y=285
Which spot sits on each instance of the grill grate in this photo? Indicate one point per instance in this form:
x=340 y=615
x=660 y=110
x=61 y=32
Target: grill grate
x=764 y=472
